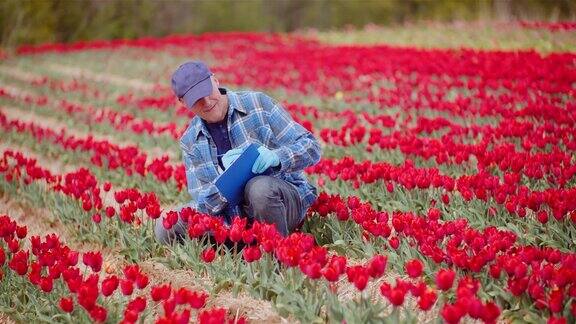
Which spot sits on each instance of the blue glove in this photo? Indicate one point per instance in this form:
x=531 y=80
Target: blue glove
x=229 y=157
x=265 y=160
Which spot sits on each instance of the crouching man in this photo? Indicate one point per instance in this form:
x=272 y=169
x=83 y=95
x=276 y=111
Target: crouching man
x=225 y=123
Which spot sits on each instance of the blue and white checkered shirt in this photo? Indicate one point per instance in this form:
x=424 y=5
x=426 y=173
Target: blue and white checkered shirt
x=253 y=117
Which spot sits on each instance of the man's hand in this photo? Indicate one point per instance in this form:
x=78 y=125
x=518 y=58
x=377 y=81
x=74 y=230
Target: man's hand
x=265 y=160
x=229 y=157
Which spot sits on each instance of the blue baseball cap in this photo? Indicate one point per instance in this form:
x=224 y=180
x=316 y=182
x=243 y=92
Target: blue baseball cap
x=191 y=82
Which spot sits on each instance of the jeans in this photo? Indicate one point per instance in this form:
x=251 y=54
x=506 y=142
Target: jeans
x=266 y=199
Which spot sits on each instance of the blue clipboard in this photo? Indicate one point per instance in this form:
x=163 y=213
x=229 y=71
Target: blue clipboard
x=232 y=181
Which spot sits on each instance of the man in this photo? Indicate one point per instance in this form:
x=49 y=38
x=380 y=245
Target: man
x=225 y=123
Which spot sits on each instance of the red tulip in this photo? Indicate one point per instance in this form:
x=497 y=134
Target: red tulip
x=130 y=316
x=21 y=231
x=330 y=273
x=46 y=284
x=251 y=253
x=414 y=268
x=445 y=279
x=377 y=266
x=142 y=281
x=208 y=255
x=197 y=300
x=212 y=316
x=389 y=187
x=87 y=295
x=93 y=260
x=473 y=305
x=13 y=245
x=490 y=313
x=495 y=271
x=556 y=301
x=452 y=313
x=168 y=305
x=445 y=199
x=109 y=285
x=66 y=304
x=138 y=304
x=557 y=320
x=110 y=211
x=160 y=292
x=127 y=287
x=396 y=296
x=394 y=242
x=427 y=300
x=311 y=269
x=361 y=281
x=132 y=272
x=170 y=219
x=98 y=313
x=434 y=214
x=19 y=263
x=542 y=217
x=96 y=218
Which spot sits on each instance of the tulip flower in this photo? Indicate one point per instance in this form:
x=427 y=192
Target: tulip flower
x=109 y=285
x=93 y=260
x=127 y=287
x=66 y=304
x=251 y=253
x=427 y=300
x=445 y=279
x=208 y=255
x=377 y=266
x=161 y=292
x=414 y=268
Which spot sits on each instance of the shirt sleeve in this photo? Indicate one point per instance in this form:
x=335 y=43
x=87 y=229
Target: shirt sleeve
x=299 y=148
x=206 y=198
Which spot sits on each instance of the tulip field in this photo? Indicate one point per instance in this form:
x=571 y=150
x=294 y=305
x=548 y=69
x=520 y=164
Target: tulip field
x=447 y=184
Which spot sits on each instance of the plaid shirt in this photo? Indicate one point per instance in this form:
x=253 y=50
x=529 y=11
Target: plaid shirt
x=253 y=117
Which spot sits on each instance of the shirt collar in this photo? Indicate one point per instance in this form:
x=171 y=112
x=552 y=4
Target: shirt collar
x=234 y=103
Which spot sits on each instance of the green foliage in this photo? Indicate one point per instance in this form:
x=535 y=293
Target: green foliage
x=39 y=21
x=26 y=22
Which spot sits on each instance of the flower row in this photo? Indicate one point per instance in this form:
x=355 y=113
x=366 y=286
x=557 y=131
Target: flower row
x=49 y=261
x=296 y=250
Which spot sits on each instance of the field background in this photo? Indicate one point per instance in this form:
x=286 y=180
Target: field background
x=471 y=102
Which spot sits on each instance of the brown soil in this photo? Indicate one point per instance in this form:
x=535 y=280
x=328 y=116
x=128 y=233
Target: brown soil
x=19 y=74
x=76 y=72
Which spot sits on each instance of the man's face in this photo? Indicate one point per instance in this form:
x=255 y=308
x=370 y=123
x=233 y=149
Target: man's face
x=212 y=108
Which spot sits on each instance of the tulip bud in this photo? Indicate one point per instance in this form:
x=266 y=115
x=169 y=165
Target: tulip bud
x=142 y=281
x=414 y=268
x=127 y=287
x=66 y=304
x=445 y=279
x=110 y=211
x=96 y=218
x=394 y=242
x=109 y=285
x=21 y=231
x=208 y=255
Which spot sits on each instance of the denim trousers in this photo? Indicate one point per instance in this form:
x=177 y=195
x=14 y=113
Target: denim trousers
x=266 y=199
